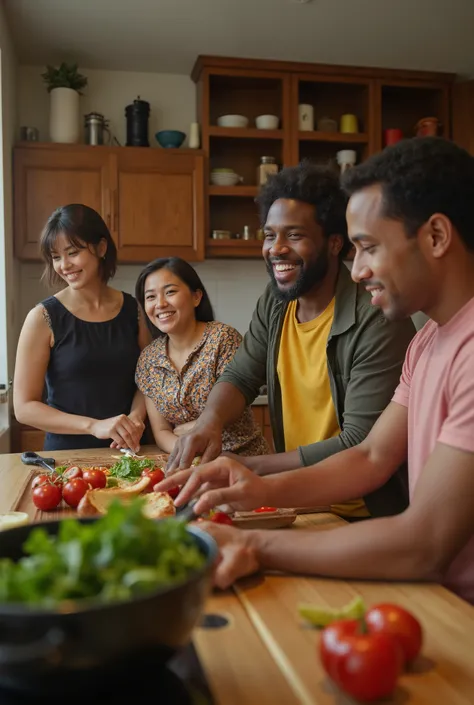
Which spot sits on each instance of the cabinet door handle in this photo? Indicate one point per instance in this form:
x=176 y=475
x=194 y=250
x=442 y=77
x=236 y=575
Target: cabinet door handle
x=116 y=211
x=108 y=204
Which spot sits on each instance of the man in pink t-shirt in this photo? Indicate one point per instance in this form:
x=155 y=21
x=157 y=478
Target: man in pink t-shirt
x=411 y=219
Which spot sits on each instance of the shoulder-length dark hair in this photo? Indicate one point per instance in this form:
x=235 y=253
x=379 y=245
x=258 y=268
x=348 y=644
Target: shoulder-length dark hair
x=83 y=226
x=183 y=270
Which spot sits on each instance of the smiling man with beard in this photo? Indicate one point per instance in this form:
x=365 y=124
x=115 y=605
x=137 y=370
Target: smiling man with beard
x=330 y=360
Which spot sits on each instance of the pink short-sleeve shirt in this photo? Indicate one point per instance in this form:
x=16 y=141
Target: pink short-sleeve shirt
x=437 y=386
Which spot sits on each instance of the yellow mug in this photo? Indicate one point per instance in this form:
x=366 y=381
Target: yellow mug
x=349 y=123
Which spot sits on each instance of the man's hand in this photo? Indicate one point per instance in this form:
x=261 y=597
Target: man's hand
x=250 y=462
x=237 y=556
x=223 y=481
x=204 y=440
x=184 y=428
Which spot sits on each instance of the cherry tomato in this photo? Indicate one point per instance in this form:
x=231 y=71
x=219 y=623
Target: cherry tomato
x=95 y=478
x=364 y=665
x=400 y=624
x=72 y=472
x=40 y=480
x=47 y=496
x=266 y=509
x=174 y=492
x=74 y=491
x=156 y=475
x=220 y=518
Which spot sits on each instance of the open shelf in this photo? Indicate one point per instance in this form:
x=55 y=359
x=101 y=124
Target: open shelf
x=239 y=191
x=341 y=137
x=245 y=133
x=234 y=248
x=249 y=95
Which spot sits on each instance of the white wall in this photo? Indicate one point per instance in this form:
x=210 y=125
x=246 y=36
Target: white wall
x=171 y=97
x=9 y=267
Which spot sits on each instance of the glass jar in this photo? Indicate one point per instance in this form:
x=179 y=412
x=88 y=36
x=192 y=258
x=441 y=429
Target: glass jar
x=266 y=167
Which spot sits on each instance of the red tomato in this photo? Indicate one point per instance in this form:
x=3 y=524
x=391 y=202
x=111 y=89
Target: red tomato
x=40 y=480
x=220 y=518
x=365 y=666
x=72 y=472
x=95 y=478
x=400 y=624
x=47 y=496
x=266 y=509
x=156 y=475
x=74 y=491
x=49 y=477
x=174 y=492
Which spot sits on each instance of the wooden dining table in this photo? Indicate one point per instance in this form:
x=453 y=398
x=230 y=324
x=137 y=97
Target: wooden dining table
x=264 y=653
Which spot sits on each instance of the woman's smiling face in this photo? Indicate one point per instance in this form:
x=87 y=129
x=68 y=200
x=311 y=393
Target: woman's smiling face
x=169 y=303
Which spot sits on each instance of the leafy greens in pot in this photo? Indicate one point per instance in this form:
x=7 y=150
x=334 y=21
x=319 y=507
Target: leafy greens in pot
x=117 y=557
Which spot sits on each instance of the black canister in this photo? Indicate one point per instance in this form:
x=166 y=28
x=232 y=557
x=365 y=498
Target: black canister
x=137 y=123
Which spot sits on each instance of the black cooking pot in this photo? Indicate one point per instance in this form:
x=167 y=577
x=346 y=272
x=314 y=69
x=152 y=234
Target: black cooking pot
x=46 y=650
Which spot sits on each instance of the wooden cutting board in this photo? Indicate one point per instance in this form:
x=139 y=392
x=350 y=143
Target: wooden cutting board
x=279 y=519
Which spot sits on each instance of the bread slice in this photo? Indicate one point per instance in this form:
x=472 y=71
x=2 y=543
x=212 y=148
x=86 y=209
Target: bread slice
x=98 y=501
x=158 y=505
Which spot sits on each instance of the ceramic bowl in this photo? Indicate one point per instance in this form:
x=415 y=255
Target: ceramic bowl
x=232 y=121
x=170 y=138
x=267 y=122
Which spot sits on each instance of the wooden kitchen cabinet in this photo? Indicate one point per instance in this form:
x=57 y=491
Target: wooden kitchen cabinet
x=152 y=200
x=379 y=98
x=158 y=204
x=46 y=178
x=262 y=417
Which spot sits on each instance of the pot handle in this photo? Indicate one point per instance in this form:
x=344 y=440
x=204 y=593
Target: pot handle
x=44 y=648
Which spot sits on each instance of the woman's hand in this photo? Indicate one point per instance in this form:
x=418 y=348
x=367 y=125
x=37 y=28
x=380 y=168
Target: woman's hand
x=237 y=558
x=184 y=428
x=124 y=431
x=223 y=481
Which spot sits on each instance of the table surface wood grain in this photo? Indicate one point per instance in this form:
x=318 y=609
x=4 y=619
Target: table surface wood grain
x=266 y=654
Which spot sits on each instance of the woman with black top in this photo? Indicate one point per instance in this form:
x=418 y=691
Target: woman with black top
x=84 y=342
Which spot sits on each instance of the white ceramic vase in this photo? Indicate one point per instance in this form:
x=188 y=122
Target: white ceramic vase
x=64 y=116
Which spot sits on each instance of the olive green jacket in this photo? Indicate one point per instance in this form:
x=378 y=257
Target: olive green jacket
x=365 y=354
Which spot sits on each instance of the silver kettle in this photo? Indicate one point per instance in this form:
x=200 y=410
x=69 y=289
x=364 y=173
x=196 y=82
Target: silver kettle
x=95 y=127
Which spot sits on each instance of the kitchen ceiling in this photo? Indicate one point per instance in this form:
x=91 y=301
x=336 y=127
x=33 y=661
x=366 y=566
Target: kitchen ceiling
x=167 y=35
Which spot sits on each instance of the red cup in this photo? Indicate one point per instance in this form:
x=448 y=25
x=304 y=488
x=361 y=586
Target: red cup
x=392 y=136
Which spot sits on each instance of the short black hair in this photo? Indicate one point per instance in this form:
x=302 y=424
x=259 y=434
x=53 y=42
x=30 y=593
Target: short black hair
x=421 y=176
x=316 y=184
x=184 y=271
x=82 y=226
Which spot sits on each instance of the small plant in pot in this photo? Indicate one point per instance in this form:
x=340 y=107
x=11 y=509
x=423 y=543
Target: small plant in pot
x=64 y=85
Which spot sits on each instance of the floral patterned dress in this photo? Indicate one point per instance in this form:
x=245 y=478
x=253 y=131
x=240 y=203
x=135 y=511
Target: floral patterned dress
x=181 y=397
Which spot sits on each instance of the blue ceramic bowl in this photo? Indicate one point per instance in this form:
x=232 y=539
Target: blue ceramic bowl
x=170 y=138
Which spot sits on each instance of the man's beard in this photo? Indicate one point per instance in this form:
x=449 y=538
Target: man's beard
x=309 y=276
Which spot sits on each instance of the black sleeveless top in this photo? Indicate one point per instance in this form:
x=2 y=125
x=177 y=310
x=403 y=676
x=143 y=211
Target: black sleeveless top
x=91 y=371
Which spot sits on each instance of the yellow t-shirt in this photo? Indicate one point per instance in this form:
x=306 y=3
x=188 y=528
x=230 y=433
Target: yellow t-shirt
x=309 y=415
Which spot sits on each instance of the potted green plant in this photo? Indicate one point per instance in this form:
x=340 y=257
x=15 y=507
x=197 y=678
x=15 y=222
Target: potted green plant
x=64 y=84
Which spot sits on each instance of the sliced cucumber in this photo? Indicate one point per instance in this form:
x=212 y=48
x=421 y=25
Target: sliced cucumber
x=320 y=616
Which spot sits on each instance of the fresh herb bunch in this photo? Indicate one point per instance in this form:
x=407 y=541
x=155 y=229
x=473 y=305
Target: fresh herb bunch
x=116 y=557
x=128 y=468
x=66 y=76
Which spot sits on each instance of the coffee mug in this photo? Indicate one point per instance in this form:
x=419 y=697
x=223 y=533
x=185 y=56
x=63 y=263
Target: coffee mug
x=427 y=127
x=392 y=135
x=305 y=117
x=349 y=123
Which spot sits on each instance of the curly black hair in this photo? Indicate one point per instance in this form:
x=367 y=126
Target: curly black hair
x=421 y=176
x=315 y=184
